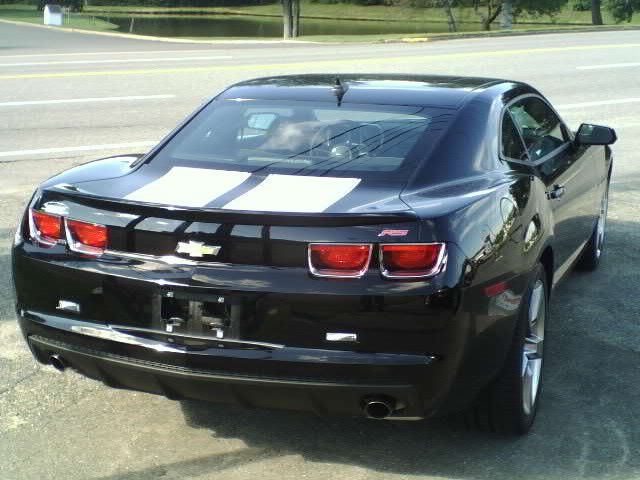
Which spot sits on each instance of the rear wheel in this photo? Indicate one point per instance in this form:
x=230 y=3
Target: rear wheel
x=592 y=252
x=510 y=403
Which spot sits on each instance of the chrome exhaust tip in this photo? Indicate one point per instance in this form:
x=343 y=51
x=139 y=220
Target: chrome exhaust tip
x=57 y=362
x=378 y=407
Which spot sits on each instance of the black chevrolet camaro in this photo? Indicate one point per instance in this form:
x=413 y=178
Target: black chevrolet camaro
x=376 y=245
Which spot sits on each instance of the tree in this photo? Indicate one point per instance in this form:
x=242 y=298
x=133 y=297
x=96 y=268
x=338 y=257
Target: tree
x=622 y=10
x=596 y=13
x=451 y=21
x=291 y=18
x=489 y=10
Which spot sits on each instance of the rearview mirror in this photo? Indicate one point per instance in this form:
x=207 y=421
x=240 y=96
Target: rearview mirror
x=595 y=135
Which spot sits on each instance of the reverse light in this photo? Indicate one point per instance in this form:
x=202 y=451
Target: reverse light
x=412 y=260
x=44 y=228
x=339 y=260
x=87 y=238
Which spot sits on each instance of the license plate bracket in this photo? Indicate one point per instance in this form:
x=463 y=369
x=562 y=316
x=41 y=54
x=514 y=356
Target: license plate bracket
x=201 y=315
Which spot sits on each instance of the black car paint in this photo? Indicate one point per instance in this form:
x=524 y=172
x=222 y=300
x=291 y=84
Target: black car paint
x=432 y=344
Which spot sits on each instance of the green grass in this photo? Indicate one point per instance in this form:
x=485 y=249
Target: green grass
x=29 y=14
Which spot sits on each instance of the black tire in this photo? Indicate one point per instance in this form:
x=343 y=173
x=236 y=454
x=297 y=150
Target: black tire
x=592 y=253
x=502 y=408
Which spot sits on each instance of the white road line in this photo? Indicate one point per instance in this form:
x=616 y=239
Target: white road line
x=619 y=101
x=84 y=100
x=611 y=65
x=107 y=146
x=121 y=60
x=148 y=52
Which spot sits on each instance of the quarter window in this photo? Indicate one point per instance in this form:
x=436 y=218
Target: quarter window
x=540 y=127
x=512 y=146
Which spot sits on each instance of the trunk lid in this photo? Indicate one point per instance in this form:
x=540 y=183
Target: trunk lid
x=261 y=220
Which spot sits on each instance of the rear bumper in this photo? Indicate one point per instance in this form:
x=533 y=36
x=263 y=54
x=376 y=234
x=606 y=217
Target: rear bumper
x=337 y=382
x=428 y=347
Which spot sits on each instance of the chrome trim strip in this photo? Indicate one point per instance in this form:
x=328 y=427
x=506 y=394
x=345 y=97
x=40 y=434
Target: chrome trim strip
x=117 y=333
x=165 y=259
x=219 y=346
x=125 y=328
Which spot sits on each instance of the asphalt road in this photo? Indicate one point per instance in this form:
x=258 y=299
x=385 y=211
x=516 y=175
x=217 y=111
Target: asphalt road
x=62 y=426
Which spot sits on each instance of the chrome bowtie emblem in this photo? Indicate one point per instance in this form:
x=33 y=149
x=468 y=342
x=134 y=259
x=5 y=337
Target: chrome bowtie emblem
x=197 y=249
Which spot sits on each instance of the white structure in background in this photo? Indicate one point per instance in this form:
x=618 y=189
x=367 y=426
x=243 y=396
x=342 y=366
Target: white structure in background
x=53 y=15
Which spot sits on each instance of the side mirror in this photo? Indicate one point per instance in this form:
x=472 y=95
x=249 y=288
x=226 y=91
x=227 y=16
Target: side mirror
x=595 y=135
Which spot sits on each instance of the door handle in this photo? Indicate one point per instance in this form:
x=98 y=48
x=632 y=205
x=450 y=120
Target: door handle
x=557 y=192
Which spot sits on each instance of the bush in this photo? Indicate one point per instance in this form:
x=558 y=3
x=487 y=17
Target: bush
x=354 y=2
x=582 y=5
x=73 y=5
x=178 y=3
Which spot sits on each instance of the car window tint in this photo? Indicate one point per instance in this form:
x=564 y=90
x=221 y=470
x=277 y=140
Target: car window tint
x=512 y=146
x=307 y=138
x=540 y=127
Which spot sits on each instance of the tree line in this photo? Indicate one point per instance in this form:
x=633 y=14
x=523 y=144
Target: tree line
x=486 y=11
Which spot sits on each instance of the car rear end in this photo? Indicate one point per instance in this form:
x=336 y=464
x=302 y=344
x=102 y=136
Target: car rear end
x=276 y=322
x=300 y=281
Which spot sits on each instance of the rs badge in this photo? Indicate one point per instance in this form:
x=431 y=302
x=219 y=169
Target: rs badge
x=393 y=233
x=197 y=249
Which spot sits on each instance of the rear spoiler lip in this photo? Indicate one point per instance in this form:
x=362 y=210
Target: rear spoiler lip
x=243 y=217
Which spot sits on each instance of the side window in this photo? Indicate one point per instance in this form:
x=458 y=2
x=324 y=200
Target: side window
x=512 y=146
x=540 y=127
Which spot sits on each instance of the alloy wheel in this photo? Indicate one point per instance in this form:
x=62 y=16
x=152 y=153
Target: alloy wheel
x=602 y=222
x=533 y=347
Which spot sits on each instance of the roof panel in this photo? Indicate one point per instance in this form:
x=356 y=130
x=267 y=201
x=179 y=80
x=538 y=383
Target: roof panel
x=390 y=89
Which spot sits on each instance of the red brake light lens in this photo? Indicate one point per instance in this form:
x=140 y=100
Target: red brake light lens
x=45 y=228
x=330 y=260
x=411 y=261
x=88 y=238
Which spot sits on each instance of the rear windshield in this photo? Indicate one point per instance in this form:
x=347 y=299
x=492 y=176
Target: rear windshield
x=306 y=138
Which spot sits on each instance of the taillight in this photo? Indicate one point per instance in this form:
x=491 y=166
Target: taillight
x=339 y=260
x=88 y=238
x=44 y=228
x=411 y=260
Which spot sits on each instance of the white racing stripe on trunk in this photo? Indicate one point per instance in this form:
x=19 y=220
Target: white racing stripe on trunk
x=290 y=193
x=189 y=187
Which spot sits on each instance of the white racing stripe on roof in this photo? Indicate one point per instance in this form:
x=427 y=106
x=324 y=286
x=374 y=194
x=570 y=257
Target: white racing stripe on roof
x=291 y=193
x=189 y=187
